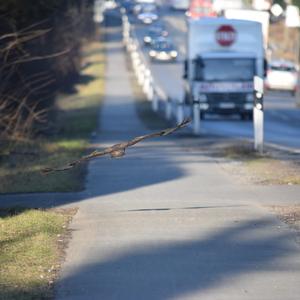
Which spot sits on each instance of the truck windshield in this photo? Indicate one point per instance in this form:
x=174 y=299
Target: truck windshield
x=237 y=69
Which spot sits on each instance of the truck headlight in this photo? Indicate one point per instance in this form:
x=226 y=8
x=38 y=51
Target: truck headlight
x=248 y=106
x=204 y=106
x=152 y=53
x=258 y=95
x=174 y=53
x=249 y=97
x=202 y=98
x=147 y=39
x=259 y=106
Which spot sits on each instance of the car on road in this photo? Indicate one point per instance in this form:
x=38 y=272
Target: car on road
x=148 y=14
x=148 y=17
x=140 y=7
x=282 y=75
x=153 y=33
x=128 y=5
x=163 y=50
x=110 y=4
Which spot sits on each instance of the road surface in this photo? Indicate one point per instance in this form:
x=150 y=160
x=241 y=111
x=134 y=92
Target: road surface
x=282 y=117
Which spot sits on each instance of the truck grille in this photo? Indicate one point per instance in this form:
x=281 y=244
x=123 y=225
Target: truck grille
x=228 y=97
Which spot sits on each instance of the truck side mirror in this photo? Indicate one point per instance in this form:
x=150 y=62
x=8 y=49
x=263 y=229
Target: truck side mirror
x=185 y=71
x=265 y=67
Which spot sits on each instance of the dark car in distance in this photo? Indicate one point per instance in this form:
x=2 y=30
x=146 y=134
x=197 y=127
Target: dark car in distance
x=155 y=32
x=162 y=50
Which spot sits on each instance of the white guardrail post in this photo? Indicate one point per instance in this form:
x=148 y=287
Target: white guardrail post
x=141 y=70
x=258 y=114
x=126 y=28
x=146 y=84
x=150 y=92
x=196 y=117
x=98 y=11
x=180 y=110
x=154 y=102
x=168 y=110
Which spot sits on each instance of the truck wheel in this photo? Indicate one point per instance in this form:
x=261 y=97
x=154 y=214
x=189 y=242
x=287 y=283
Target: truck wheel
x=186 y=98
x=247 y=116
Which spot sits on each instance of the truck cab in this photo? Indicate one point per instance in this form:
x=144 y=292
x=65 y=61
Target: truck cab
x=223 y=56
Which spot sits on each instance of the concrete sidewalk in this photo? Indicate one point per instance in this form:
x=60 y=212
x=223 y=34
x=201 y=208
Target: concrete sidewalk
x=166 y=222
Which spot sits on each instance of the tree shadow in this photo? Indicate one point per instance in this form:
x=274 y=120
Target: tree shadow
x=80 y=79
x=183 y=267
x=11 y=211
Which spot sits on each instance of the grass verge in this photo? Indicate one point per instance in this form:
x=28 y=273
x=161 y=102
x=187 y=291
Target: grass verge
x=274 y=167
x=290 y=215
x=31 y=244
x=77 y=114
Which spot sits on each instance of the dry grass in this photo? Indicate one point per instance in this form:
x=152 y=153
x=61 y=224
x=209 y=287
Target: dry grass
x=269 y=169
x=273 y=171
x=77 y=118
x=290 y=215
x=31 y=251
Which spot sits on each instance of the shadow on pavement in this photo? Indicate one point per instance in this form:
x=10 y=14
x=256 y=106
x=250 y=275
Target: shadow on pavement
x=183 y=267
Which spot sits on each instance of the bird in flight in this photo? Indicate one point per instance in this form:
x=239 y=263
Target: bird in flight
x=117 y=150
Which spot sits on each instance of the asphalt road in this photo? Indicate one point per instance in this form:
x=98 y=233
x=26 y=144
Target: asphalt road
x=282 y=117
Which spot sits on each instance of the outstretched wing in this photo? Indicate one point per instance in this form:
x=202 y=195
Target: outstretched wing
x=116 y=150
x=155 y=134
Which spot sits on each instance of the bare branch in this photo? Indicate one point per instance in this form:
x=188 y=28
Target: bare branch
x=34 y=58
x=117 y=150
x=24 y=36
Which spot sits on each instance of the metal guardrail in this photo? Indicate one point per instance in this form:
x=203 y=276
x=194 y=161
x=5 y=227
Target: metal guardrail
x=173 y=109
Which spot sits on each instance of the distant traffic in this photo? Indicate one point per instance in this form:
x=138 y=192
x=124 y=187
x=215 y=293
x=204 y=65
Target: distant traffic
x=222 y=55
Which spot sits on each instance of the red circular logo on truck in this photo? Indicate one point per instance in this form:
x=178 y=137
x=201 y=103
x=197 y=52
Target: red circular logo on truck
x=225 y=35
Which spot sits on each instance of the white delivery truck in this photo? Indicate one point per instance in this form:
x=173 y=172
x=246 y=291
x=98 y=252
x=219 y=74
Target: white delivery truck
x=223 y=56
x=259 y=16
